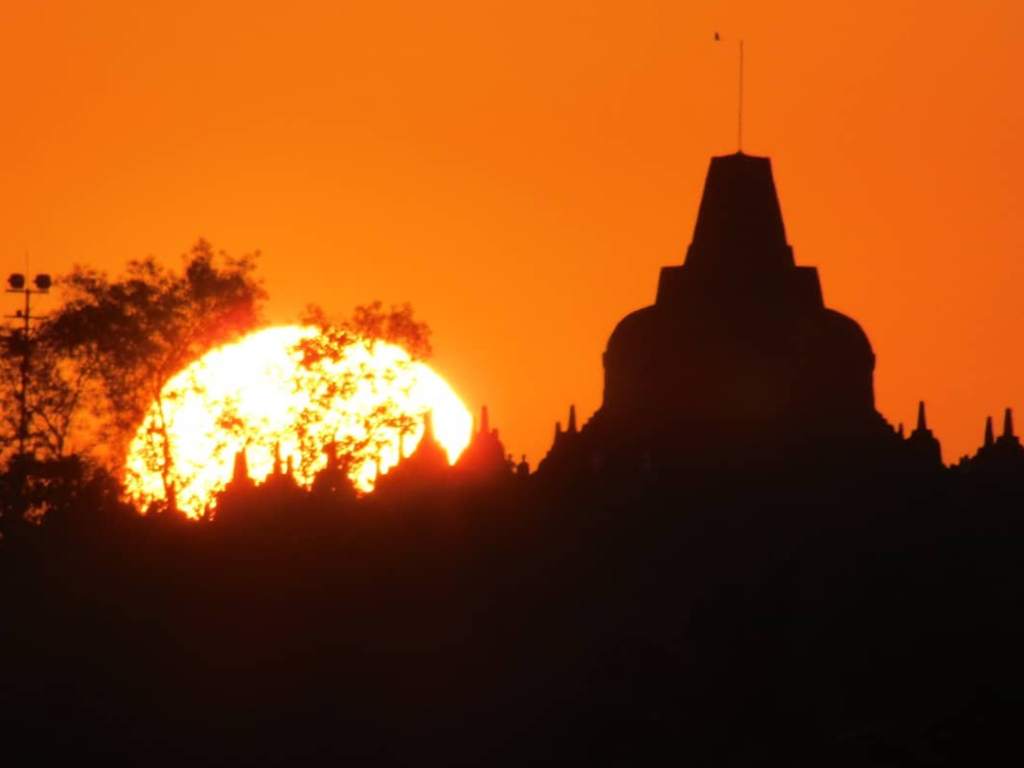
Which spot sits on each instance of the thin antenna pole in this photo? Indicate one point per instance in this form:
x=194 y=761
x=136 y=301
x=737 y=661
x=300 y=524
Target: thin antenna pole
x=24 y=341
x=739 y=127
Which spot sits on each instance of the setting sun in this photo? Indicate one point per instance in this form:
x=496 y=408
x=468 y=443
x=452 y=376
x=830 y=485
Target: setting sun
x=257 y=395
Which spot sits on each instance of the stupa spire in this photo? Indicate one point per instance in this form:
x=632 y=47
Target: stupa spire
x=485 y=424
x=278 y=464
x=922 y=422
x=989 y=434
x=739 y=222
x=572 y=420
x=240 y=472
x=1008 y=423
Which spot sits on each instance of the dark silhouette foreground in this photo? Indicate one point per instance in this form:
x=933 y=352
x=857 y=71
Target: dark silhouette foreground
x=718 y=623
x=736 y=560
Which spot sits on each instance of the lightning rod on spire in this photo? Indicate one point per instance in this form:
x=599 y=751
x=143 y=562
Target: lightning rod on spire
x=739 y=127
x=739 y=117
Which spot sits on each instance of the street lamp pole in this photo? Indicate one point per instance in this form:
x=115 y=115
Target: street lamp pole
x=16 y=284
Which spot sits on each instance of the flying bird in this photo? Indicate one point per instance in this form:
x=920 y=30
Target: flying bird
x=717 y=38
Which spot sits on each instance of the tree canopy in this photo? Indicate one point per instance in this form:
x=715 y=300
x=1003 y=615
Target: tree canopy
x=98 y=361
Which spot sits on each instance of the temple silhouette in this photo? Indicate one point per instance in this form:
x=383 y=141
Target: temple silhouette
x=738 y=367
x=738 y=360
x=736 y=560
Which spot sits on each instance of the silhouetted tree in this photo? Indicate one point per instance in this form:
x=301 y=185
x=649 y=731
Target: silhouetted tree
x=337 y=364
x=104 y=356
x=345 y=398
x=62 y=396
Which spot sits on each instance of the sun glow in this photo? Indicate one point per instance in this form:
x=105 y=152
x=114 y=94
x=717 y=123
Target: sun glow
x=258 y=395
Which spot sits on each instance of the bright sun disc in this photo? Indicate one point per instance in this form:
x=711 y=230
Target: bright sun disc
x=255 y=394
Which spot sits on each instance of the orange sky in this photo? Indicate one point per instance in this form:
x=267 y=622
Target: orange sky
x=519 y=171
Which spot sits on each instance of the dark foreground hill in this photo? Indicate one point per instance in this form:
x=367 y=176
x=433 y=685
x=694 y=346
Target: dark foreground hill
x=726 y=623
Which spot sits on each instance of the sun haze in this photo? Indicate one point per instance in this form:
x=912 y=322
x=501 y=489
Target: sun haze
x=520 y=171
x=254 y=395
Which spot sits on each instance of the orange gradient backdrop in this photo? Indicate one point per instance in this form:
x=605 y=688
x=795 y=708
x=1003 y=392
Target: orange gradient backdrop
x=519 y=171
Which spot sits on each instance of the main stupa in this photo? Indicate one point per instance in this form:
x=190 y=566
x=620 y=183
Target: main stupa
x=739 y=358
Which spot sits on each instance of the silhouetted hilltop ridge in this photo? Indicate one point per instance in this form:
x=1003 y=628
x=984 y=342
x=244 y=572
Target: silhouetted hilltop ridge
x=736 y=560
